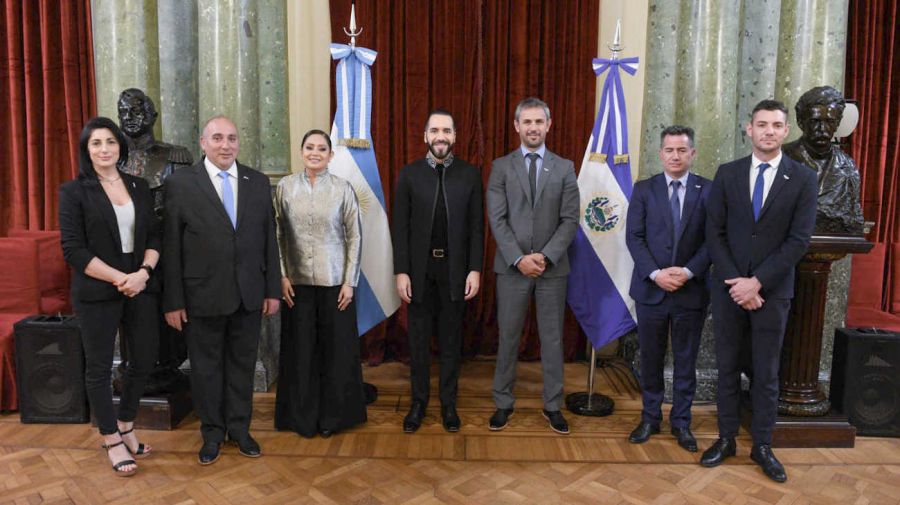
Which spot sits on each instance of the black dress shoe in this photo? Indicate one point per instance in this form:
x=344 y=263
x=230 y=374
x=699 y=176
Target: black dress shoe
x=209 y=453
x=248 y=447
x=450 y=419
x=557 y=421
x=413 y=419
x=764 y=457
x=685 y=439
x=326 y=433
x=642 y=433
x=500 y=419
x=715 y=455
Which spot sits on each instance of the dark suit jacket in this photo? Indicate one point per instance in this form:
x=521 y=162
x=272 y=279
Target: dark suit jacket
x=649 y=239
x=521 y=228
x=771 y=247
x=414 y=203
x=88 y=229
x=211 y=269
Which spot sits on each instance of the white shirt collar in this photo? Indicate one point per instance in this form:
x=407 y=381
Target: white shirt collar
x=213 y=170
x=773 y=163
x=683 y=179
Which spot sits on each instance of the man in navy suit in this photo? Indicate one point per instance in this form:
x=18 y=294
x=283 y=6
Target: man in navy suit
x=760 y=215
x=666 y=237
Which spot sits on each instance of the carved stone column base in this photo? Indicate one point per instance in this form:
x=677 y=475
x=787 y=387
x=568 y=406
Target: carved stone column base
x=804 y=410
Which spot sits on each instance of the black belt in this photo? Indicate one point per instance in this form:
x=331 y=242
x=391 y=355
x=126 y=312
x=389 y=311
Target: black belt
x=438 y=253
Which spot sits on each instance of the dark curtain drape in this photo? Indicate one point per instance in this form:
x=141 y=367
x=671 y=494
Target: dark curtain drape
x=873 y=78
x=477 y=59
x=46 y=95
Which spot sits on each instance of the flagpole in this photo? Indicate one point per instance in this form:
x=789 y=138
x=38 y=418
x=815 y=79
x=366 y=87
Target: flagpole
x=589 y=403
x=370 y=390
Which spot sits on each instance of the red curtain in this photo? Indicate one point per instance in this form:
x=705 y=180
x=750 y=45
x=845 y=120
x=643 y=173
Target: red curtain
x=873 y=78
x=477 y=59
x=46 y=95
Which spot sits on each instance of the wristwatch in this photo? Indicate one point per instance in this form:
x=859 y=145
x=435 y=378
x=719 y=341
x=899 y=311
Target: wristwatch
x=148 y=268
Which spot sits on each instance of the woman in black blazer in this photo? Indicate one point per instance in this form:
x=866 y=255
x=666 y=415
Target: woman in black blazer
x=110 y=237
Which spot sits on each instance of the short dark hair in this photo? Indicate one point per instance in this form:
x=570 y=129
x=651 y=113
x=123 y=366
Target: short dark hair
x=85 y=167
x=769 y=105
x=532 y=103
x=440 y=112
x=316 y=132
x=676 y=131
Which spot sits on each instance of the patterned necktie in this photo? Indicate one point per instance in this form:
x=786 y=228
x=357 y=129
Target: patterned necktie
x=675 y=208
x=532 y=174
x=228 y=198
x=758 y=190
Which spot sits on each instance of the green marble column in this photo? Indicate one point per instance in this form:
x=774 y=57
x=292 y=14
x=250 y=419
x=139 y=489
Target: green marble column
x=693 y=56
x=274 y=138
x=126 y=51
x=811 y=49
x=229 y=77
x=178 y=103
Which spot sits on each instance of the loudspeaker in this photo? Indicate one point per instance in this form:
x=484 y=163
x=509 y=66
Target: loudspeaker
x=50 y=370
x=865 y=380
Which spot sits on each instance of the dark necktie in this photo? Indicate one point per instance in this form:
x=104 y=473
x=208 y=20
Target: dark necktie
x=532 y=174
x=758 y=190
x=675 y=208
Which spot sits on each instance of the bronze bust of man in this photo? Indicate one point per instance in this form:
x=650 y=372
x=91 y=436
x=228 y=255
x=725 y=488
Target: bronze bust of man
x=819 y=113
x=148 y=158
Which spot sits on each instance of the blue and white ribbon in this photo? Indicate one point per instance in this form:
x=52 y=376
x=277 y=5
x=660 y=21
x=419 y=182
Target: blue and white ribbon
x=612 y=107
x=353 y=118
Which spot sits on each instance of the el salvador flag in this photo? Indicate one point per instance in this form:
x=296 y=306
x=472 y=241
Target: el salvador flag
x=354 y=160
x=601 y=265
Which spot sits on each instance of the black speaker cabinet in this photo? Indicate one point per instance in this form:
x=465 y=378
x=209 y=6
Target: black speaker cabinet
x=50 y=370
x=865 y=380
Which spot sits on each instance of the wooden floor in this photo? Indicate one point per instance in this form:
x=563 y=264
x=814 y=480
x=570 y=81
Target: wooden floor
x=378 y=464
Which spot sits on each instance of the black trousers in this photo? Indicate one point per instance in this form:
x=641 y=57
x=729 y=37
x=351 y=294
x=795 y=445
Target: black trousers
x=320 y=383
x=222 y=350
x=765 y=330
x=654 y=325
x=99 y=322
x=437 y=312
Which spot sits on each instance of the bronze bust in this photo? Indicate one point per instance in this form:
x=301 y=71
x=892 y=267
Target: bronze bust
x=148 y=158
x=819 y=113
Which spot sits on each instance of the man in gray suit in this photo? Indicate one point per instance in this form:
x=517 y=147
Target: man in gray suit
x=532 y=203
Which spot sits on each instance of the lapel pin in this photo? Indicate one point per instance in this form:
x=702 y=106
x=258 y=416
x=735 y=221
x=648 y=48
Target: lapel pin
x=786 y=177
x=545 y=169
x=698 y=186
x=246 y=178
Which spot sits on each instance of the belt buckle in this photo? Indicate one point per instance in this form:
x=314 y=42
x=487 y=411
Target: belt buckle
x=437 y=253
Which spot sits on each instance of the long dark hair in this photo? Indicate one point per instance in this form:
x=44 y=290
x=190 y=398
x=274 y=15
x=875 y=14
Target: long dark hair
x=85 y=167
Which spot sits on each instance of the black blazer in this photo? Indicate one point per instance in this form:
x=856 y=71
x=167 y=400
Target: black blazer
x=210 y=267
x=89 y=229
x=649 y=238
x=771 y=247
x=414 y=202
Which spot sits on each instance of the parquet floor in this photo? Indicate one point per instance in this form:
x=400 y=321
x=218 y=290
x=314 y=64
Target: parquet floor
x=377 y=464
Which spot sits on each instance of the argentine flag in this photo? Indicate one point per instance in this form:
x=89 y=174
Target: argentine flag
x=600 y=262
x=354 y=160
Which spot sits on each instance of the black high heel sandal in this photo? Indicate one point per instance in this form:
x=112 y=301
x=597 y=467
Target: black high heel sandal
x=117 y=468
x=142 y=450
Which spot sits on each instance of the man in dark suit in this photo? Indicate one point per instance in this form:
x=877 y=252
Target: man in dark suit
x=666 y=237
x=532 y=204
x=222 y=274
x=760 y=215
x=438 y=234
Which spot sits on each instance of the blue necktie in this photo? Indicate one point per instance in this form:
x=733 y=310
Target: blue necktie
x=228 y=198
x=675 y=208
x=758 y=191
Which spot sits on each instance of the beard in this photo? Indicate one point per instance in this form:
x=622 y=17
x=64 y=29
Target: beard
x=440 y=150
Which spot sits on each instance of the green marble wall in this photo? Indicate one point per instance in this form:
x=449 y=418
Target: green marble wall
x=196 y=59
x=709 y=61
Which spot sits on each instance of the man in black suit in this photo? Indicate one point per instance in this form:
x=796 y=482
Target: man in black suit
x=438 y=235
x=760 y=215
x=666 y=237
x=222 y=274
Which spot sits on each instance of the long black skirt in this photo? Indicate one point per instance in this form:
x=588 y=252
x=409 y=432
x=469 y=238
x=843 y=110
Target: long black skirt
x=320 y=383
